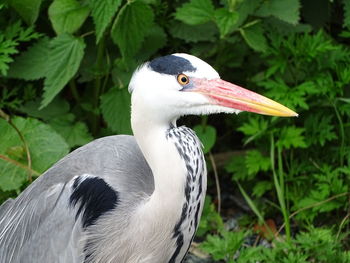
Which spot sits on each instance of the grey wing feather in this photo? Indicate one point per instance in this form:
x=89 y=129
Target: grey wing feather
x=39 y=225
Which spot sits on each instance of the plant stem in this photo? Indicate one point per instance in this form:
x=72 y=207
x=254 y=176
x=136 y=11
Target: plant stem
x=98 y=81
x=312 y=206
x=29 y=158
x=279 y=185
x=342 y=135
x=29 y=169
x=217 y=182
x=285 y=211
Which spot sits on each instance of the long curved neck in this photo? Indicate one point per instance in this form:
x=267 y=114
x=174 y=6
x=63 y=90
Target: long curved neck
x=176 y=160
x=161 y=155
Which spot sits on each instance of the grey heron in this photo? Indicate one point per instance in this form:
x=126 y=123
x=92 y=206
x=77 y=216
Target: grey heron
x=129 y=198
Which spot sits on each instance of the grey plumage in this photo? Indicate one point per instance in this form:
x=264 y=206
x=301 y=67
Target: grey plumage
x=41 y=225
x=41 y=216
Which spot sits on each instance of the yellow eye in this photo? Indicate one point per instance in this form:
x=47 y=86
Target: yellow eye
x=182 y=79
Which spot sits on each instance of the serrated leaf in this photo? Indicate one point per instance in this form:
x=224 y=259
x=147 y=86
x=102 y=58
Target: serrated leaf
x=195 y=12
x=253 y=126
x=10 y=39
x=225 y=20
x=291 y=137
x=65 y=56
x=256 y=162
x=75 y=133
x=207 y=135
x=244 y=9
x=237 y=166
x=115 y=106
x=102 y=14
x=286 y=10
x=261 y=188
x=131 y=26
x=45 y=146
x=254 y=36
x=56 y=108
x=27 y=9
x=288 y=96
x=224 y=246
x=122 y=71
x=319 y=129
x=31 y=64
x=154 y=40
x=67 y=16
x=210 y=219
x=196 y=33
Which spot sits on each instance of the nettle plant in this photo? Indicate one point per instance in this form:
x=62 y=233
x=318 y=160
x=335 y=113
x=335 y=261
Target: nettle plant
x=65 y=67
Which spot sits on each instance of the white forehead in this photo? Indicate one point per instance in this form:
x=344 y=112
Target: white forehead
x=203 y=69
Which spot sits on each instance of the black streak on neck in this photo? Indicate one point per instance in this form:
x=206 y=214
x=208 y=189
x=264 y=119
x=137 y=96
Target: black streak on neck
x=182 y=146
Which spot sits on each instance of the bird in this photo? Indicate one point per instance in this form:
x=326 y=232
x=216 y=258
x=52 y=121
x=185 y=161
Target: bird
x=123 y=198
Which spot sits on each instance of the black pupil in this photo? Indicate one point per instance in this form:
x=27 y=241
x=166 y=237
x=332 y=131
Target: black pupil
x=184 y=79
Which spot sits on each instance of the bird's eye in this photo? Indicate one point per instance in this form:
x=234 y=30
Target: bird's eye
x=182 y=79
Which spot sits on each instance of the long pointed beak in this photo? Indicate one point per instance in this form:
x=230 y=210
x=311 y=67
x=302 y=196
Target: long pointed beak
x=229 y=95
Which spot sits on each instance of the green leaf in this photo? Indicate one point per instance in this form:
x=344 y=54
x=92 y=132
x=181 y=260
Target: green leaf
x=196 y=33
x=56 y=108
x=115 y=106
x=244 y=9
x=286 y=10
x=75 y=133
x=102 y=14
x=291 y=137
x=64 y=59
x=195 y=12
x=7 y=48
x=224 y=246
x=236 y=165
x=131 y=26
x=57 y=115
x=31 y=64
x=256 y=162
x=210 y=220
x=154 y=40
x=27 y=9
x=67 y=16
x=319 y=129
x=45 y=145
x=254 y=36
x=346 y=100
x=225 y=20
x=10 y=38
x=251 y=203
x=253 y=126
x=122 y=71
x=207 y=135
x=261 y=188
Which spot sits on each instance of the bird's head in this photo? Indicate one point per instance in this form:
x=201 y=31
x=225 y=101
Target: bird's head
x=180 y=84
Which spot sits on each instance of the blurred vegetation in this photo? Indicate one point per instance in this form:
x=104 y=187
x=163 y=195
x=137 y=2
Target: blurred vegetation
x=64 y=72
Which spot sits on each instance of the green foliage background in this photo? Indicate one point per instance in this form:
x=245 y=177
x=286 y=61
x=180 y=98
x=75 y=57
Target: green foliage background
x=64 y=71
